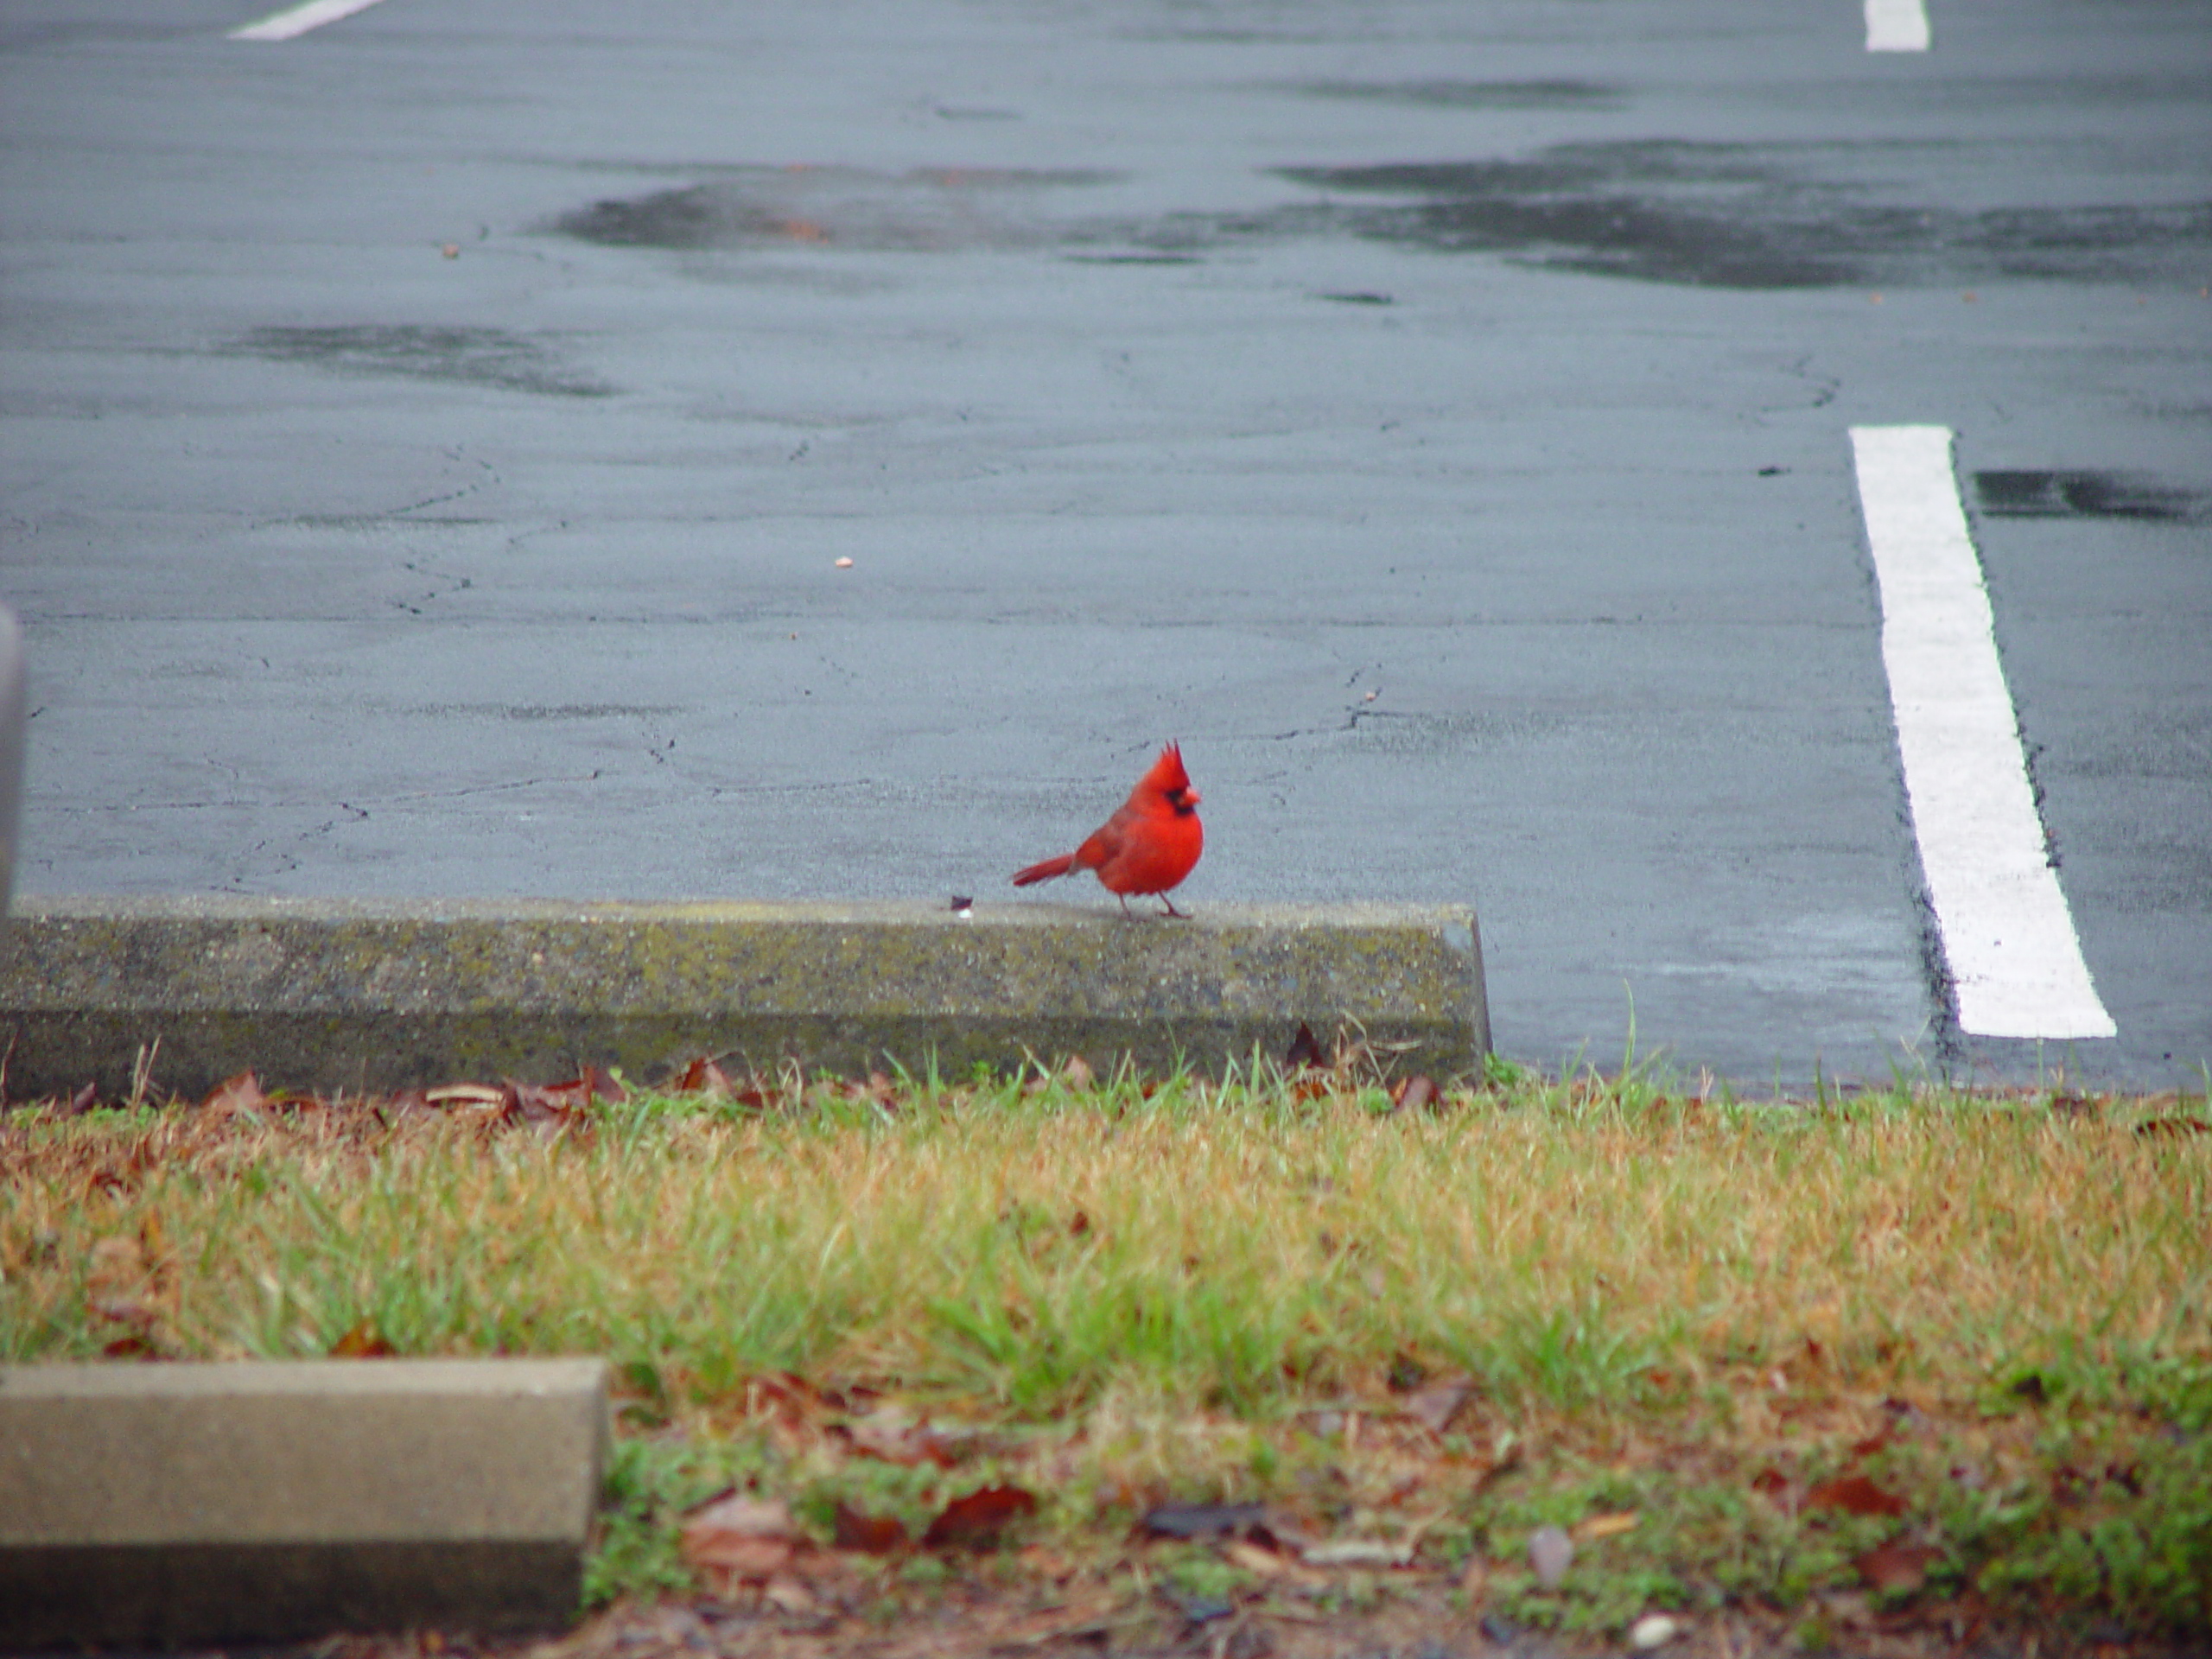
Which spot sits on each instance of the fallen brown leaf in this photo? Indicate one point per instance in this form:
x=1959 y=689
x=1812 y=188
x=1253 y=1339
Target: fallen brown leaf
x=749 y=1559
x=531 y=1103
x=1474 y=1581
x=1604 y=1526
x=789 y=1395
x=362 y=1341
x=703 y=1076
x=1412 y=1094
x=788 y=1595
x=1433 y=1405
x=464 y=1094
x=1897 y=1568
x=1854 y=1495
x=892 y=1437
x=240 y=1094
x=870 y=1534
x=739 y=1514
x=976 y=1520
x=1271 y=1564
x=745 y=1537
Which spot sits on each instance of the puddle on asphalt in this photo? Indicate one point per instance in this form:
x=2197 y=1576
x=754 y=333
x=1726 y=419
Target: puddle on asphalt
x=2088 y=494
x=477 y=357
x=932 y=210
x=1734 y=216
x=1701 y=214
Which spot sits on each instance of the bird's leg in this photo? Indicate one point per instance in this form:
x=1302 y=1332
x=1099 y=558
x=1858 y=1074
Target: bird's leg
x=1124 y=897
x=1172 y=911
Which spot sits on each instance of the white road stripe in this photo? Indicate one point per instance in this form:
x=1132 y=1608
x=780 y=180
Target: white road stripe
x=314 y=14
x=1897 y=26
x=2016 y=964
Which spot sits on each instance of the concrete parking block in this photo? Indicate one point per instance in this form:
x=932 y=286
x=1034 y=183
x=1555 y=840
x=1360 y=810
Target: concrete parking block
x=198 y=1503
x=355 y=995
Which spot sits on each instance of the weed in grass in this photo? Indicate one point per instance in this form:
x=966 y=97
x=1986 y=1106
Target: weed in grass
x=648 y=1484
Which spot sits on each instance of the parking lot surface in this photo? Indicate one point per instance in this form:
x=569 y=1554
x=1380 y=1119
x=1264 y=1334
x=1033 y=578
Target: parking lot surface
x=432 y=447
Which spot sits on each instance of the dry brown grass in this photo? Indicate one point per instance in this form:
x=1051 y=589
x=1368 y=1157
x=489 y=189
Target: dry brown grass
x=1214 y=1247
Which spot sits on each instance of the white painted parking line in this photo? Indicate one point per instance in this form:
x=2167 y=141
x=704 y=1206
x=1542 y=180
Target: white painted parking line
x=1897 y=26
x=314 y=14
x=2015 y=960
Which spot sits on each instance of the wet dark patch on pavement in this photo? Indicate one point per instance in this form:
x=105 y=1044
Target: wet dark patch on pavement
x=1709 y=214
x=1666 y=211
x=930 y=210
x=1734 y=216
x=2088 y=494
x=476 y=357
x=1471 y=94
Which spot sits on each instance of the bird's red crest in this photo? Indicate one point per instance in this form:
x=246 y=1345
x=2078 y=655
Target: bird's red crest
x=1167 y=775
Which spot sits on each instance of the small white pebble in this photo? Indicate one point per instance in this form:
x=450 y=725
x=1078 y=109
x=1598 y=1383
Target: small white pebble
x=844 y=564
x=1652 y=1630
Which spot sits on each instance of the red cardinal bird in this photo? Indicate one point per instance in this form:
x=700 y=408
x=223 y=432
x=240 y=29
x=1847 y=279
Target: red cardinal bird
x=1148 y=846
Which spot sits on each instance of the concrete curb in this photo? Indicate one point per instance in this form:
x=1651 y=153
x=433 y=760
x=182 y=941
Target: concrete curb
x=360 y=996
x=170 y=1503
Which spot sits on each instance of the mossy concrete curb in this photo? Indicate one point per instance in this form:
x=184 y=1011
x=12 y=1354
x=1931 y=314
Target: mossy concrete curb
x=173 y=1503
x=355 y=995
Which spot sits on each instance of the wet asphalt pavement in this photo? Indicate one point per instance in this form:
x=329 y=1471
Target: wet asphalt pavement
x=428 y=446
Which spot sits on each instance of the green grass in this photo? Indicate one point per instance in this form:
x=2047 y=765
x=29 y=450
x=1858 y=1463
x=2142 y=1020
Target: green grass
x=1688 y=1310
